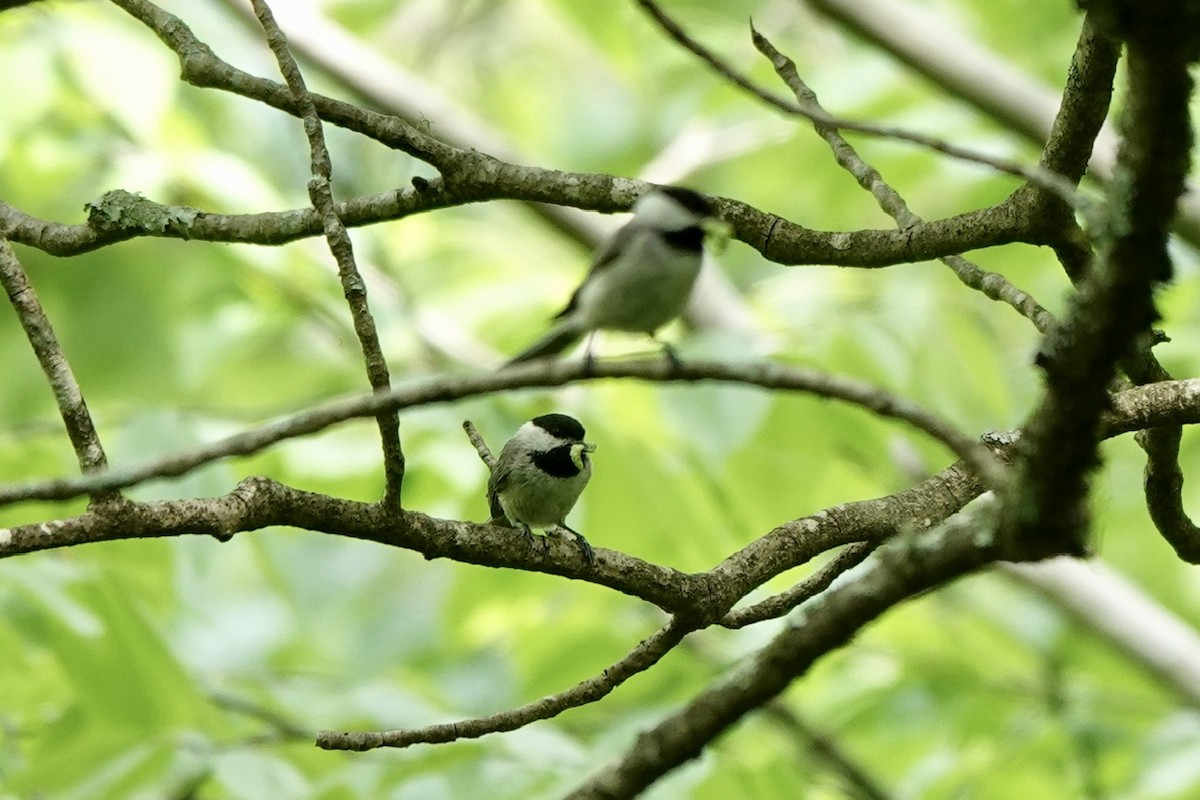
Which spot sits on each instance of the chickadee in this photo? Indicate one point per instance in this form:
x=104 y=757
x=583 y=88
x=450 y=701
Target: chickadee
x=539 y=475
x=642 y=279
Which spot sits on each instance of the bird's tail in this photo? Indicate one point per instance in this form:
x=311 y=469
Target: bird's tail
x=564 y=334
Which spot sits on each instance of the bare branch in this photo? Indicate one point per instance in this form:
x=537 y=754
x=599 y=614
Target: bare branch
x=1041 y=177
x=810 y=587
x=648 y=653
x=1164 y=491
x=991 y=284
x=703 y=597
x=921 y=39
x=535 y=374
x=67 y=394
x=896 y=572
x=481 y=447
x=353 y=286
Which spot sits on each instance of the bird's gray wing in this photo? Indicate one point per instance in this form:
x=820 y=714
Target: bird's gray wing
x=616 y=244
x=496 y=484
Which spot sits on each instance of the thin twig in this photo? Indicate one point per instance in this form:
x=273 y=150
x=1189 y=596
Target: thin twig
x=992 y=285
x=446 y=388
x=647 y=653
x=859 y=783
x=1045 y=179
x=67 y=393
x=353 y=286
x=481 y=447
x=780 y=604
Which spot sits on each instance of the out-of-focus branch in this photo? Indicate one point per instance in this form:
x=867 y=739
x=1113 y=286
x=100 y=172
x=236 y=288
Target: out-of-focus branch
x=1115 y=302
x=826 y=749
x=1109 y=604
x=67 y=394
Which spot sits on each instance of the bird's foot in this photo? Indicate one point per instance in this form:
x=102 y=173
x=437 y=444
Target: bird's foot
x=672 y=357
x=527 y=535
x=585 y=549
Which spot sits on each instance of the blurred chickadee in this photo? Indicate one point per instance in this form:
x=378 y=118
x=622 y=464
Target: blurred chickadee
x=642 y=279
x=539 y=475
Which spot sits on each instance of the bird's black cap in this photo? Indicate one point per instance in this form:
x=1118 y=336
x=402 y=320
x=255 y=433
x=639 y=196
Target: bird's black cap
x=560 y=425
x=691 y=200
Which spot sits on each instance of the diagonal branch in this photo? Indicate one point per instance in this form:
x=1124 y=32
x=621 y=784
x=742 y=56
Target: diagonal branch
x=648 y=653
x=353 y=286
x=67 y=394
x=895 y=573
x=810 y=587
x=1048 y=180
x=991 y=284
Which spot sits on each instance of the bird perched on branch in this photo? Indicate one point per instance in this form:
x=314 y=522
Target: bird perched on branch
x=539 y=475
x=643 y=277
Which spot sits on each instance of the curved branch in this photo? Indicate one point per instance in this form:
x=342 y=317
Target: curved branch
x=443 y=389
x=895 y=573
x=648 y=653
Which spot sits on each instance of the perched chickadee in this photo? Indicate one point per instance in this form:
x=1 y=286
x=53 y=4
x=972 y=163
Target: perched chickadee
x=539 y=475
x=642 y=279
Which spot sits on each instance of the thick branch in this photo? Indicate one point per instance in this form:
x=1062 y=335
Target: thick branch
x=1114 y=305
x=895 y=573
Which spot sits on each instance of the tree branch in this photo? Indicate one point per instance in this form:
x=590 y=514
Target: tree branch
x=442 y=389
x=67 y=394
x=896 y=572
x=353 y=286
x=990 y=284
x=1115 y=302
x=817 y=115
x=648 y=653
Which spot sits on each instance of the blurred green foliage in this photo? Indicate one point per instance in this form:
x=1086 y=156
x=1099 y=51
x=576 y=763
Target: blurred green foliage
x=189 y=668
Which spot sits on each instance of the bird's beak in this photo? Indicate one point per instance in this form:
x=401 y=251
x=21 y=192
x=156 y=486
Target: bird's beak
x=579 y=453
x=717 y=233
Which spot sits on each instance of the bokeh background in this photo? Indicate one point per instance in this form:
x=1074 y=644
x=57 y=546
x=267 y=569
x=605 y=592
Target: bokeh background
x=190 y=668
